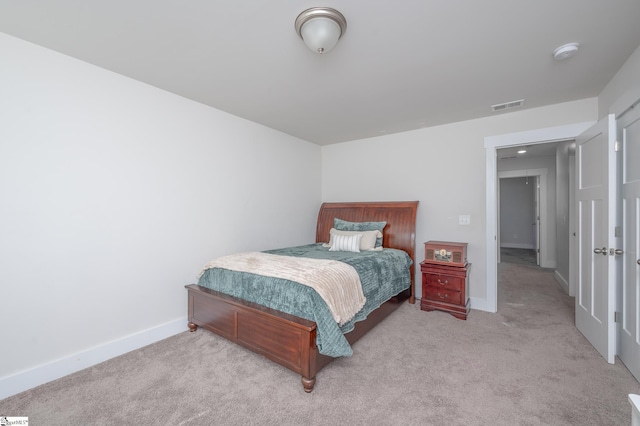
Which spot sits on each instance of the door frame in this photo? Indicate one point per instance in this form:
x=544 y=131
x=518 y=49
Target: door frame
x=491 y=144
x=539 y=176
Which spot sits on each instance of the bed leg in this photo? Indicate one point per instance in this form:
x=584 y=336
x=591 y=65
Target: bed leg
x=308 y=384
x=192 y=326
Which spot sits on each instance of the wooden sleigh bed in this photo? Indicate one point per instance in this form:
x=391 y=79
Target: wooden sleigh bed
x=289 y=340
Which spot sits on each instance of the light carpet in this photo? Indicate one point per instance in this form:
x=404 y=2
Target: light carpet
x=525 y=365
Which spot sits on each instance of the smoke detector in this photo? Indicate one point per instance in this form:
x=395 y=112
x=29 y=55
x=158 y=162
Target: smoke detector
x=565 y=51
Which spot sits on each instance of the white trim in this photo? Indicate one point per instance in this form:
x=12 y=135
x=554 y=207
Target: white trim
x=28 y=379
x=563 y=283
x=517 y=246
x=634 y=400
x=479 y=304
x=491 y=143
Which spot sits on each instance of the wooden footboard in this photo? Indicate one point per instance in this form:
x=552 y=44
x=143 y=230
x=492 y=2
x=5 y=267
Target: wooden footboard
x=283 y=338
x=288 y=340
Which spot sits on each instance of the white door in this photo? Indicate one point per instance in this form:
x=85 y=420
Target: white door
x=629 y=295
x=596 y=211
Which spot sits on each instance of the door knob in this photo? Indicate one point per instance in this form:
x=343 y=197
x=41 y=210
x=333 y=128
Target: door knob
x=615 y=251
x=603 y=251
x=638 y=261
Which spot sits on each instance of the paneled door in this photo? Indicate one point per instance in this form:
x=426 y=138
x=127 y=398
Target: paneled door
x=629 y=294
x=596 y=216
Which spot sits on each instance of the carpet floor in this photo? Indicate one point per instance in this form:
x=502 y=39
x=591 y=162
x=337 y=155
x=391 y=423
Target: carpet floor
x=525 y=365
x=518 y=255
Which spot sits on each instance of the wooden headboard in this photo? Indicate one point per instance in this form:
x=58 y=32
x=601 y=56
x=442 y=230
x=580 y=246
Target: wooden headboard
x=400 y=232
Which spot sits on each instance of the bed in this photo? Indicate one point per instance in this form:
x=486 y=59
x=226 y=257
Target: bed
x=290 y=340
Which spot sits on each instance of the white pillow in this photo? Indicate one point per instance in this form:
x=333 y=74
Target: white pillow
x=346 y=243
x=368 y=241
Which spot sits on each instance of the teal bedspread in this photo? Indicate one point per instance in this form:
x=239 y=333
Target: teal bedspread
x=383 y=275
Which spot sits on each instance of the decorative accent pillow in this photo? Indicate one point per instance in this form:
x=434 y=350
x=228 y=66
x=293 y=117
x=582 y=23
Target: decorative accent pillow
x=346 y=243
x=344 y=225
x=367 y=243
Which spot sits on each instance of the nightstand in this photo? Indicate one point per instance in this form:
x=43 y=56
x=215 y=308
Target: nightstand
x=445 y=288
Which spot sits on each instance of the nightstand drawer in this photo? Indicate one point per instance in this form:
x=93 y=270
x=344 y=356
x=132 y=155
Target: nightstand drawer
x=442 y=295
x=446 y=282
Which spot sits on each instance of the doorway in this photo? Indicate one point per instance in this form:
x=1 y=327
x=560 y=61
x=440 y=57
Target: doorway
x=492 y=144
x=627 y=185
x=523 y=205
x=519 y=220
x=523 y=219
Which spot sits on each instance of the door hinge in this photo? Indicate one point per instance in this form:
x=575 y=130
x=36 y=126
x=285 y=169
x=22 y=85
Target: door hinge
x=616 y=146
x=617 y=317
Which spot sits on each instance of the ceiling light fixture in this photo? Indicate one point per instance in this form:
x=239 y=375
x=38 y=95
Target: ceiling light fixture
x=320 y=28
x=565 y=51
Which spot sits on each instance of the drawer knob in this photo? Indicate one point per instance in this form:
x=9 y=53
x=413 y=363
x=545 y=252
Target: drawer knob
x=443 y=297
x=443 y=283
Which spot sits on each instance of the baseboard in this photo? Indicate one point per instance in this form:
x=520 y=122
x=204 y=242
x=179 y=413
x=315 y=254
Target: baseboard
x=476 y=303
x=516 y=245
x=28 y=379
x=563 y=283
x=549 y=264
x=480 y=305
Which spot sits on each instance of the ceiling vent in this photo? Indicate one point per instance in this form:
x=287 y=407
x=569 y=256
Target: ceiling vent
x=507 y=105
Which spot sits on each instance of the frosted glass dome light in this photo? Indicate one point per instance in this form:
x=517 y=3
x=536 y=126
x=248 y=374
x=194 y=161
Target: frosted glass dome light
x=320 y=28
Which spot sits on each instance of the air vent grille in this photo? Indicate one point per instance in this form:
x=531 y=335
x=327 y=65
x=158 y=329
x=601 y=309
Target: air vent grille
x=507 y=105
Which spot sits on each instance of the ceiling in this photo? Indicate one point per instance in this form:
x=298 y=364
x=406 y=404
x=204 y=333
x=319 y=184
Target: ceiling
x=400 y=66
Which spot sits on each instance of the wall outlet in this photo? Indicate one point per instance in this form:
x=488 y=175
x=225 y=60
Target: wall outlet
x=464 y=219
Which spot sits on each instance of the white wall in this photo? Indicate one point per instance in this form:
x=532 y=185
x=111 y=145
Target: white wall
x=444 y=168
x=113 y=195
x=623 y=90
